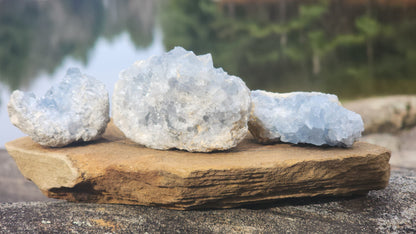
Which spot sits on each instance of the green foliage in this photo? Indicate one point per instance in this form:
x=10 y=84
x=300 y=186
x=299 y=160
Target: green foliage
x=310 y=47
x=368 y=26
x=14 y=49
x=308 y=14
x=306 y=51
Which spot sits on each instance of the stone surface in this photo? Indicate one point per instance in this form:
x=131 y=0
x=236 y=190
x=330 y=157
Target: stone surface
x=115 y=170
x=179 y=100
x=77 y=110
x=303 y=117
x=392 y=210
x=388 y=114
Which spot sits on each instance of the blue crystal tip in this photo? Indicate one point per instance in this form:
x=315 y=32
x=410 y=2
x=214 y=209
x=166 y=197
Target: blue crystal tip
x=73 y=71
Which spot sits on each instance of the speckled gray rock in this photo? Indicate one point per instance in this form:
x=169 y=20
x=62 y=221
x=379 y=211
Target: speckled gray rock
x=303 y=117
x=392 y=210
x=179 y=100
x=77 y=110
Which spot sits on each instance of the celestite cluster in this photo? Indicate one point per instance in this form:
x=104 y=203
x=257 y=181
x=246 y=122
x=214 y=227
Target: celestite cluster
x=77 y=110
x=179 y=100
x=303 y=117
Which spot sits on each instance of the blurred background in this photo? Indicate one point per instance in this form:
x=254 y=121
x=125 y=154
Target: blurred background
x=352 y=48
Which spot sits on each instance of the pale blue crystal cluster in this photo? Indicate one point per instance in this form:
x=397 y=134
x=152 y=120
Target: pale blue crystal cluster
x=179 y=100
x=303 y=117
x=76 y=110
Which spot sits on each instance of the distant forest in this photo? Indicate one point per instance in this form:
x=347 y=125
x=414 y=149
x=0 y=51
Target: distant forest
x=351 y=48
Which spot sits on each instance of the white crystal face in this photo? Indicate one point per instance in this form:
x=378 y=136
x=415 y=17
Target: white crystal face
x=76 y=110
x=179 y=100
x=303 y=117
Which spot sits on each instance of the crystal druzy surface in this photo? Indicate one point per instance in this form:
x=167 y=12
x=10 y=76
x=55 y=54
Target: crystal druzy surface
x=179 y=100
x=76 y=110
x=303 y=117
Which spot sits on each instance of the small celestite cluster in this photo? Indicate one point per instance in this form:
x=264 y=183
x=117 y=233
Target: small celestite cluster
x=303 y=117
x=179 y=100
x=77 y=110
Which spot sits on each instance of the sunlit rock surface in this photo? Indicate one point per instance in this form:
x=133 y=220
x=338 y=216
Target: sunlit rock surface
x=303 y=117
x=76 y=110
x=179 y=100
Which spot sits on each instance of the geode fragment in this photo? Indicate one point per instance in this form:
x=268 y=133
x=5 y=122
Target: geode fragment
x=77 y=110
x=179 y=100
x=303 y=117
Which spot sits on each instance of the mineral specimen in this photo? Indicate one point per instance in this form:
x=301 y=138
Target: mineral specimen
x=179 y=100
x=77 y=110
x=303 y=117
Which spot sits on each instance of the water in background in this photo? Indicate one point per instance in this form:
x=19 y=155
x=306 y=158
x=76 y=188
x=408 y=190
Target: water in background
x=353 y=48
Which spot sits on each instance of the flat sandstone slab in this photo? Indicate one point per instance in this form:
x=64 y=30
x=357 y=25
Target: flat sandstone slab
x=115 y=170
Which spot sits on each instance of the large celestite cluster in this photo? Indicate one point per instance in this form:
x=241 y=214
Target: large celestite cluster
x=179 y=100
x=77 y=110
x=303 y=117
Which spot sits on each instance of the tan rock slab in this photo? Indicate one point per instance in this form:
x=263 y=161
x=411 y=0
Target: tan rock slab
x=115 y=170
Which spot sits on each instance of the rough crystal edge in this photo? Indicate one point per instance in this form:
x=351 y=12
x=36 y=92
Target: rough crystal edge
x=20 y=100
x=264 y=135
x=206 y=59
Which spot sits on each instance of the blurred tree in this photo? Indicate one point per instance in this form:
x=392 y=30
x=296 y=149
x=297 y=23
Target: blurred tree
x=305 y=46
x=245 y=46
x=136 y=17
x=14 y=44
x=36 y=36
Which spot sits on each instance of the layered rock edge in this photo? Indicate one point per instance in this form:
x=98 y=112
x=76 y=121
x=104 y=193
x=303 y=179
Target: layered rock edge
x=116 y=170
